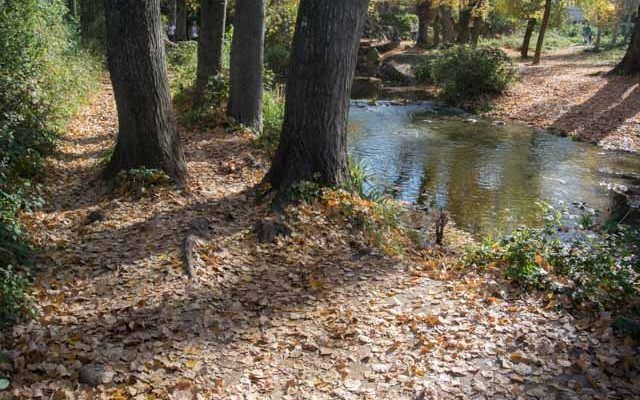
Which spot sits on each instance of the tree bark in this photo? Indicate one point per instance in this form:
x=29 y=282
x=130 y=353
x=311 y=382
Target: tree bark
x=172 y=8
x=630 y=64
x=425 y=18
x=543 y=31
x=598 y=42
x=323 y=61
x=526 y=42
x=476 y=30
x=92 y=24
x=147 y=136
x=446 y=22
x=181 y=20
x=247 y=58
x=211 y=42
x=437 y=30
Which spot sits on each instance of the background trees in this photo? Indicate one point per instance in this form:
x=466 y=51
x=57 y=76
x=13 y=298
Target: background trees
x=147 y=136
x=213 y=18
x=247 y=58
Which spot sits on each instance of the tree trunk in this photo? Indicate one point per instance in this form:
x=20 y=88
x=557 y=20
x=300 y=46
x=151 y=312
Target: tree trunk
x=210 y=44
x=425 y=17
x=630 y=64
x=172 y=8
x=147 y=136
x=72 y=6
x=247 y=58
x=464 y=22
x=437 y=30
x=323 y=61
x=92 y=24
x=543 y=31
x=476 y=31
x=596 y=46
x=615 y=33
x=181 y=20
x=531 y=24
x=446 y=22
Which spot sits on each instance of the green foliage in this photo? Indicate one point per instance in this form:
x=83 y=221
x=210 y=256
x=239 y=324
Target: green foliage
x=182 y=61
x=402 y=23
x=138 y=181
x=424 y=72
x=273 y=116
x=44 y=78
x=464 y=72
x=280 y=22
x=592 y=268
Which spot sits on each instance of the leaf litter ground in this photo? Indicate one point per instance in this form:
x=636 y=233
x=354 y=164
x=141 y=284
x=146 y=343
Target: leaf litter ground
x=317 y=315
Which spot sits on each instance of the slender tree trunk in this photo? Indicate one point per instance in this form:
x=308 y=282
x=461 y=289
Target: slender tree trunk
x=446 y=22
x=323 y=61
x=425 y=18
x=92 y=24
x=543 y=31
x=437 y=30
x=476 y=31
x=598 y=42
x=630 y=64
x=72 y=6
x=172 y=7
x=181 y=20
x=526 y=42
x=211 y=42
x=615 y=33
x=247 y=58
x=147 y=134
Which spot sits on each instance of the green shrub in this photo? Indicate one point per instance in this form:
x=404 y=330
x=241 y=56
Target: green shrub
x=464 y=72
x=44 y=79
x=280 y=22
x=403 y=23
x=593 y=268
x=424 y=72
x=273 y=117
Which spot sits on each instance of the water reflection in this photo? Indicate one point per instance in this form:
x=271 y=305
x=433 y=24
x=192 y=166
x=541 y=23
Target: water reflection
x=489 y=178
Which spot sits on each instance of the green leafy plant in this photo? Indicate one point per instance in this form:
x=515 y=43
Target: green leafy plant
x=465 y=72
x=594 y=269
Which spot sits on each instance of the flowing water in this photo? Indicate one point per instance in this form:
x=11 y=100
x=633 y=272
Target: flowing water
x=489 y=178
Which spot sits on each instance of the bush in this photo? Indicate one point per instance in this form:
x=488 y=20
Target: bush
x=593 y=269
x=464 y=72
x=402 y=23
x=424 y=72
x=280 y=22
x=273 y=115
x=44 y=78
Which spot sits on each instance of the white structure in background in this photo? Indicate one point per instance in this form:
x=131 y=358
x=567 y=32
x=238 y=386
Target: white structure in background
x=575 y=15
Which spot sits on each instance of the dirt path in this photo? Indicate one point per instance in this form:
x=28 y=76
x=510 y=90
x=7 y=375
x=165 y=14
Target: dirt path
x=570 y=93
x=318 y=315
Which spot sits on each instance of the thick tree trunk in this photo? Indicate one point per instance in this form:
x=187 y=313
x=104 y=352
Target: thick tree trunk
x=92 y=24
x=323 y=61
x=181 y=20
x=526 y=42
x=247 y=58
x=543 y=31
x=630 y=64
x=147 y=134
x=211 y=42
x=446 y=22
x=425 y=18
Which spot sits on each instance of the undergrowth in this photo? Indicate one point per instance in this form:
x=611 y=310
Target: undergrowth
x=44 y=79
x=570 y=256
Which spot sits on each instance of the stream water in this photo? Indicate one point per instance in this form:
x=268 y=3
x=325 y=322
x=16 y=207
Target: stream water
x=489 y=178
